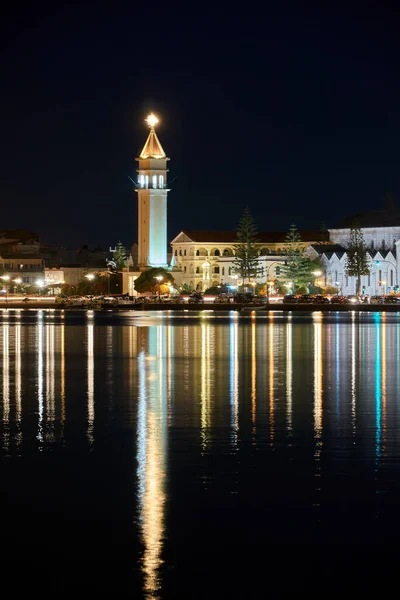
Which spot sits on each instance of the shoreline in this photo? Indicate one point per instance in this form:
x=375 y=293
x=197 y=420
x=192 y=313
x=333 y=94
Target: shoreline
x=272 y=307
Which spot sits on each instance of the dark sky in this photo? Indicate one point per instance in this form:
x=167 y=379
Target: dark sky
x=291 y=110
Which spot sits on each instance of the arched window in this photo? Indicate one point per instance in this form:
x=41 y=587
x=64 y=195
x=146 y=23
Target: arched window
x=141 y=180
x=216 y=270
x=197 y=270
x=180 y=252
x=161 y=181
x=197 y=252
x=383 y=244
x=391 y=278
x=146 y=181
x=176 y=252
x=184 y=252
x=230 y=271
x=184 y=269
x=154 y=181
x=217 y=253
x=223 y=270
x=277 y=271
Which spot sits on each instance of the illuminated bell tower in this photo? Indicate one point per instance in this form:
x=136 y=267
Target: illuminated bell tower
x=152 y=201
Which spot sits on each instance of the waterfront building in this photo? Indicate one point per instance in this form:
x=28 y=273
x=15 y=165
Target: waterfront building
x=202 y=259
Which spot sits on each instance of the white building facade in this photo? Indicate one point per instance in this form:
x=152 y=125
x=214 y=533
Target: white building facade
x=202 y=259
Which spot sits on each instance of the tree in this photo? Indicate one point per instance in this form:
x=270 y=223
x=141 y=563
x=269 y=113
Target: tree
x=147 y=282
x=298 y=269
x=357 y=259
x=246 y=263
x=120 y=257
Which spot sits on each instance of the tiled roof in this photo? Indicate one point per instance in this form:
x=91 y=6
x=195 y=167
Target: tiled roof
x=264 y=237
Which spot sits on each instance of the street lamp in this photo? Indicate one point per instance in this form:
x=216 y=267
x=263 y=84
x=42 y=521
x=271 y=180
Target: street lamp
x=6 y=278
x=159 y=279
x=269 y=283
x=90 y=276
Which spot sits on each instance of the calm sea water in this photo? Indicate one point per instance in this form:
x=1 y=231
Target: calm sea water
x=176 y=449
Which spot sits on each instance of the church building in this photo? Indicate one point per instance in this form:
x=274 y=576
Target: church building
x=201 y=259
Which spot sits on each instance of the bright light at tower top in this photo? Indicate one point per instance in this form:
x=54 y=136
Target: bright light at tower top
x=151 y=121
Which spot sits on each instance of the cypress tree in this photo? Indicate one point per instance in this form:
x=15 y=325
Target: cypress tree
x=246 y=250
x=357 y=259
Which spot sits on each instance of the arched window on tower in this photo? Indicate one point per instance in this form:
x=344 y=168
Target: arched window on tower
x=146 y=181
x=184 y=252
x=161 y=181
x=391 y=278
x=141 y=180
x=154 y=181
x=176 y=252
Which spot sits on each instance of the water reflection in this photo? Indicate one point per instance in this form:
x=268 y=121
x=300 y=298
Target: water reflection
x=152 y=456
x=205 y=394
x=50 y=400
x=289 y=374
x=90 y=382
x=271 y=351
x=234 y=381
x=6 y=388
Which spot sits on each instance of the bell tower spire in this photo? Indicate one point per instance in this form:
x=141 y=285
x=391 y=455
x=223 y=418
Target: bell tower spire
x=152 y=201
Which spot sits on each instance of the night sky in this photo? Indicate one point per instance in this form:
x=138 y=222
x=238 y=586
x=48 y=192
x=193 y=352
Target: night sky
x=291 y=110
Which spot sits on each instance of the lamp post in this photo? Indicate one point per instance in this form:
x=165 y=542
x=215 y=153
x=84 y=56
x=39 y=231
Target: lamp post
x=268 y=283
x=6 y=278
x=159 y=279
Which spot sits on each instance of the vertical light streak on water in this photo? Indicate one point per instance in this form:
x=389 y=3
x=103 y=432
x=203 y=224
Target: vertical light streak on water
x=337 y=369
x=40 y=351
x=234 y=381
x=152 y=460
x=205 y=385
x=289 y=374
x=253 y=378
x=62 y=376
x=90 y=383
x=271 y=381
x=6 y=388
x=378 y=392
x=186 y=370
x=110 y=364
x=383 y=422
x=18 y=388
x=50 y=375
x=353 y=374
x=318 y=424
x=170 y=346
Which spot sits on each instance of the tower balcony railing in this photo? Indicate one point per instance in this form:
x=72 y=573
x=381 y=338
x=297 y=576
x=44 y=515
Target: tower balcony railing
x=150 y=186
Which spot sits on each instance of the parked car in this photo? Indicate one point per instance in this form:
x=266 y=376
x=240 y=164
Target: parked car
x=243 y=298
x=306 y=299
x=337 y=300
x=319 y=299
x=222 y=299
x=196 y=299
x=290 y=299
x=391 y=300
x=352 y=300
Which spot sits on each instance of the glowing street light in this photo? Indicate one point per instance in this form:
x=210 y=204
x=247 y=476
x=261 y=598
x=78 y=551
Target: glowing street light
x=90 y=276
x=6 y=278
x=159 y=279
